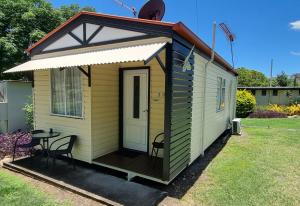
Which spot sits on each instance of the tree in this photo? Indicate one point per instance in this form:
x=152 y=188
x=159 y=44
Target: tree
x=251 y=78
x=245 y=103
x=24 y=22
x=295 y=78
x=282 y=80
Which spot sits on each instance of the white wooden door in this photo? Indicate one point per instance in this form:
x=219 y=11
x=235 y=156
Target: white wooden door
x=135 y=109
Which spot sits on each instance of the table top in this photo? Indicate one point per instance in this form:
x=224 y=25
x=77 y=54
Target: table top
x=45 y=135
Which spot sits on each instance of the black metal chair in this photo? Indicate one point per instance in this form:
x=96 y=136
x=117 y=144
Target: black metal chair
x=62 y=151
x=157 y=145
x=30 y=145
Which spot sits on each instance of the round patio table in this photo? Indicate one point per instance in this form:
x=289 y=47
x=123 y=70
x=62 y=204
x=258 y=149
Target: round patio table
x=45 y=136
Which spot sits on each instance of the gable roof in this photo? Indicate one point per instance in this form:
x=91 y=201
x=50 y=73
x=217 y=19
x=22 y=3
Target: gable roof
x=178 y=28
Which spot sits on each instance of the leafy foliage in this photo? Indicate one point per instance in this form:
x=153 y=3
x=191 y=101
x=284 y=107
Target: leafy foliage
x=28 y=109
x=251 y=78
x=282 y=80
x=290 y=110
x=24 y=22
x=293 y=109
x=276 y=108
x=245 y=103
x=7 y=142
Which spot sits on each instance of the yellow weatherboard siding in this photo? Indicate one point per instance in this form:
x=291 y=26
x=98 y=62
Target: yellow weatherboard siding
x=105 y=105
x=43 y=119
x=98 y=130
x=105 y=109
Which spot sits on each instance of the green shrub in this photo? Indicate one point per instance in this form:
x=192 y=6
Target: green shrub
x=245 y=103
x=28 y=109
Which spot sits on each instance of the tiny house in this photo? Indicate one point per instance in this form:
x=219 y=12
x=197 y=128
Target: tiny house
x=14 y=95
x=118 y=82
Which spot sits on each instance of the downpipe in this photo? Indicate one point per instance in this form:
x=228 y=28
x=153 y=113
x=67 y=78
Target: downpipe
x=205 y=86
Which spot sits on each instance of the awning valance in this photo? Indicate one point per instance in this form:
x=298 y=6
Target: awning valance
x=118 y=55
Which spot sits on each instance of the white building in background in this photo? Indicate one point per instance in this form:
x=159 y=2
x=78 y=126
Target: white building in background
x=13 y=97
x=274 y=95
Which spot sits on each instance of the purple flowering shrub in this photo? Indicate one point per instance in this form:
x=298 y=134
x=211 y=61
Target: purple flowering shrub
x=7 y=142
x=267 y=114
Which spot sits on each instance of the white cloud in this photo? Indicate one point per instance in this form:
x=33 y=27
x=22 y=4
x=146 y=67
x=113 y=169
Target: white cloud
x=295 y=25
x=295 y=53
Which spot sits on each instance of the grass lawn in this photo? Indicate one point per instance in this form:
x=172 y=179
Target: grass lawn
x=262 y=167
x=15 y=192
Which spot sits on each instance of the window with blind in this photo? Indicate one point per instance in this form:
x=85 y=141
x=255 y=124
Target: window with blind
x=66 y=92
x=221 y=90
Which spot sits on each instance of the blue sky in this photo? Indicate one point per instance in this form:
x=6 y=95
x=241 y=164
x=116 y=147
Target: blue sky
x=265 y=29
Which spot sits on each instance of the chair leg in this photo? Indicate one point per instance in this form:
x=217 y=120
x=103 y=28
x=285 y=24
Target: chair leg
x=72 y=160
x=152 y=152
x=54 y=160
x=69 y=160
x=48 y=156
x=156 y=153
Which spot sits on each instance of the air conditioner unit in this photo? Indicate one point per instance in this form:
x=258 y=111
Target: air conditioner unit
x=236 y=126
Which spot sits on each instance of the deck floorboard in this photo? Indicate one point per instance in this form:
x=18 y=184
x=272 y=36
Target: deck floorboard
x=140 y=163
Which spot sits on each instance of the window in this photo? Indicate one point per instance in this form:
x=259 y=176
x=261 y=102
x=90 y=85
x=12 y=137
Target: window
x=275 y=92
x=66 y=93
x=136 y=97
x=253 y=92
x=264 y=92
x=2 y=93
x=221 y=89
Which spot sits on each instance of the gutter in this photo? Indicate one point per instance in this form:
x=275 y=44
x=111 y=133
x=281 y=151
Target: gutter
x=185 y=32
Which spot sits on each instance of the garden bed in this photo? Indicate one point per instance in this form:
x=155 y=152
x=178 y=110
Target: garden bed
x=276 y=111
x=7 y=142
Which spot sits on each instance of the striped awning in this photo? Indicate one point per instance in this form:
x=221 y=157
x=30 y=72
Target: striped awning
x=138 y=53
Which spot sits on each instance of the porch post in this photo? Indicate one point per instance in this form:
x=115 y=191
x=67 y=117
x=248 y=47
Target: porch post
x=168 y=104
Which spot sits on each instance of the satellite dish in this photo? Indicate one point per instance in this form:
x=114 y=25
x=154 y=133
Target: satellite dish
x=153 y=10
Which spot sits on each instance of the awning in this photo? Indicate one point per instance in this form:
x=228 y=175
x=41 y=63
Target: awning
x=119 y=55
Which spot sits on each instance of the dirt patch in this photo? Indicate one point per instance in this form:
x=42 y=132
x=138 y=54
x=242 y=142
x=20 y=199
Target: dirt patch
x=56 y=193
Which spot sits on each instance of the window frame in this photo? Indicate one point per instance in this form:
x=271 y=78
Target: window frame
x=221 y=99
x=4 y=94
x=275 y=93
x=82 y=99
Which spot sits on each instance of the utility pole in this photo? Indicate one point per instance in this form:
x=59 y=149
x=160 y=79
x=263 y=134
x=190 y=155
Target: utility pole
x=271 y=76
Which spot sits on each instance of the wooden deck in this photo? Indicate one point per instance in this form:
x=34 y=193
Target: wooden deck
x=141 y=164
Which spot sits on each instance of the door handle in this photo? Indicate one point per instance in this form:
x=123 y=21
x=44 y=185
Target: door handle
x=146 y=110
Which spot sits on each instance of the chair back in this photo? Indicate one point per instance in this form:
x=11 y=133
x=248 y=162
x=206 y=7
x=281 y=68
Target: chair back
x=71 y=143
x=161 y=135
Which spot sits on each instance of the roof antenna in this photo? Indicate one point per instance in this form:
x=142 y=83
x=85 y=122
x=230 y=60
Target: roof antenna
x=231 y=37
x=122 y=4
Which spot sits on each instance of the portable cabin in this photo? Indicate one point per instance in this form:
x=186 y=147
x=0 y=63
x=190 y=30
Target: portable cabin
x=14 y=95
x=117 y=82
x=274 y=95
